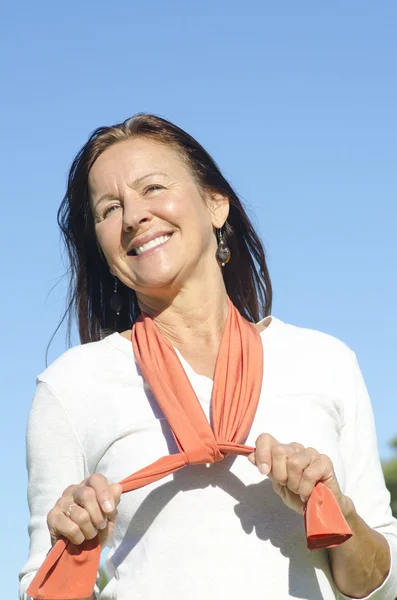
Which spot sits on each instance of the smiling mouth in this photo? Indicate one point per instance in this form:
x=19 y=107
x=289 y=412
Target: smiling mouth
x=149 y=245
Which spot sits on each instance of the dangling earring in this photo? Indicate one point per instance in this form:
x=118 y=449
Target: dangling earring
x=222 y=252
x=116 y=301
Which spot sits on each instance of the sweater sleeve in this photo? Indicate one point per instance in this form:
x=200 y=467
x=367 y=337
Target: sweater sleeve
x=365 y=483
x=55 y=459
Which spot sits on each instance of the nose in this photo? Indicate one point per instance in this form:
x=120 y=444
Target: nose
x=134 y=214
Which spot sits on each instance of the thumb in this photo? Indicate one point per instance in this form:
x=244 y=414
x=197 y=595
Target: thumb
x=116 y=491
x=263 y=454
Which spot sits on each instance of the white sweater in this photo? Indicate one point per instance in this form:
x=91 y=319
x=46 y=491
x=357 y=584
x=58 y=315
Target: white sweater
x=205 y=532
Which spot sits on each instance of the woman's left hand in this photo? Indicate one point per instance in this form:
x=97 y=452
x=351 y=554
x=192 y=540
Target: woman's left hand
x=294 y=471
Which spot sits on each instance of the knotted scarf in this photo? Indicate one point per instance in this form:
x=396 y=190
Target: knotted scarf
x=69 y=572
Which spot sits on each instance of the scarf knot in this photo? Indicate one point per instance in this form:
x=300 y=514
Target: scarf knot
x=69 y=571
x=208 y=453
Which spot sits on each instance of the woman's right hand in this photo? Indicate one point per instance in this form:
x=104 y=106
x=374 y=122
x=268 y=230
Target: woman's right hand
x=94 y=511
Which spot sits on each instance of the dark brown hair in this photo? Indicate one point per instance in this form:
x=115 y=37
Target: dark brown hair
x=246 y=276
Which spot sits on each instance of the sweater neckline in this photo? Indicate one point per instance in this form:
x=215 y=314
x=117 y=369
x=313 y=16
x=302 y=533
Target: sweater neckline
x=121 y=343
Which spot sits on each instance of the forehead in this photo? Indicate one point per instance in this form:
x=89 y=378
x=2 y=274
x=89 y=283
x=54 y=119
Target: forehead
x=134 y=158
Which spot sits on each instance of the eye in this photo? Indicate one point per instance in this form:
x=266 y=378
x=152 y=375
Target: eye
x=153 y=187
x=109 y=209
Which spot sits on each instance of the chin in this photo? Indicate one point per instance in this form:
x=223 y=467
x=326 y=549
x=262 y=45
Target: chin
x=155 y=283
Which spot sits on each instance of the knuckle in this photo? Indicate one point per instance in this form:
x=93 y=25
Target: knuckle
x=312 y=451
x=326 y=464
x=77 y=491
x=56 y=520
x=308 y=475
x=87 y=494
x=69 y=491
x=263 y=437
x=97 y=479
x=294 y=463
x=297 y=445
x=82 y=518
x=61 y=502
x=279 y=450
x=73 y=529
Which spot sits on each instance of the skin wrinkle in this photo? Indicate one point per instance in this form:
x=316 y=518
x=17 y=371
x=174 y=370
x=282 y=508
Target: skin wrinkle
x=170 y=282
x=132 y=186
x=180 y=286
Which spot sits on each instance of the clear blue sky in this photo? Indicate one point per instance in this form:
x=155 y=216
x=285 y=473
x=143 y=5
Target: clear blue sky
x=295 y=100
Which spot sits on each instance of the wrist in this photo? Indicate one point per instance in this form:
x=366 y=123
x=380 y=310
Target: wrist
x=348 y=509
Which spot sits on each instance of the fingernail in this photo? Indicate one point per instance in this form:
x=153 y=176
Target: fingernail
x=264 y=468
x=303 y=499
x=108 y=506
x=102 y=525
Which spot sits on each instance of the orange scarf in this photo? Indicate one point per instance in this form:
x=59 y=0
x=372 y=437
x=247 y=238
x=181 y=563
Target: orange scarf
x=69 y=571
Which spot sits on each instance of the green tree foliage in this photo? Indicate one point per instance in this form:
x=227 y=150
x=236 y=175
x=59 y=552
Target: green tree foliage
x=390 y=473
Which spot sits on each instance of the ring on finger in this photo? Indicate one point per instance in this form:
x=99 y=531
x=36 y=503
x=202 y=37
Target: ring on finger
x=70 y=508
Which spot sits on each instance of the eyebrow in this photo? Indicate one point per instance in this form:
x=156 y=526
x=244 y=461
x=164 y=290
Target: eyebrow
x=133 y=184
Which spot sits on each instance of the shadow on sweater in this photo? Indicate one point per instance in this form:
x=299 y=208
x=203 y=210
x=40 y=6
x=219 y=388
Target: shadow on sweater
x=258 y=508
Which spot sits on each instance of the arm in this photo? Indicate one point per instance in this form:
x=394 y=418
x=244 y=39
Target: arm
x=360 y=565
x=366 y=565
x=55 y=459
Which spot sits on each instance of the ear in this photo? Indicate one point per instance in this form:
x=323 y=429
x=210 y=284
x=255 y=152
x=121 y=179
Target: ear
x=218 y=206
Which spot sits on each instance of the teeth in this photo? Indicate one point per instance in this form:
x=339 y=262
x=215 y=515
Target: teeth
x=152 y=244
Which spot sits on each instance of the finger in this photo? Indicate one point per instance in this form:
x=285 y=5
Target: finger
x=81 y=517
x=280 y=455
x=68 y=493
x=298 y=447
x=296 y=464
x=104 y=497
x=60 y=525
x=317 y=470
x=251 y=458
x=263 y=456
x=116 y=490
x=86 y=497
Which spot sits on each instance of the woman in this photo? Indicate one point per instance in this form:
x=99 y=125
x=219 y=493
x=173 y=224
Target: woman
x=152 y=227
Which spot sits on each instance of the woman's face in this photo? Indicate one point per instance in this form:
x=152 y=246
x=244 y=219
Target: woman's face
x=152 y=223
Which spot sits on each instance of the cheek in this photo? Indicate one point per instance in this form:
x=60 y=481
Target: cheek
x=185 y=210
x=170 y=208
x=108 y=236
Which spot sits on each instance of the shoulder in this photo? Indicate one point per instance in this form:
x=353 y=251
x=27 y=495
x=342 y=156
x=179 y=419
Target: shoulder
x=306 y=339
x=77 y=358
x=315 y=359
x=88 y=367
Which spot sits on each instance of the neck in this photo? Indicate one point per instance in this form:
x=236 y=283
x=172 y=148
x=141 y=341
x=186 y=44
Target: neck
x=197 y=315
x=193 y=320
